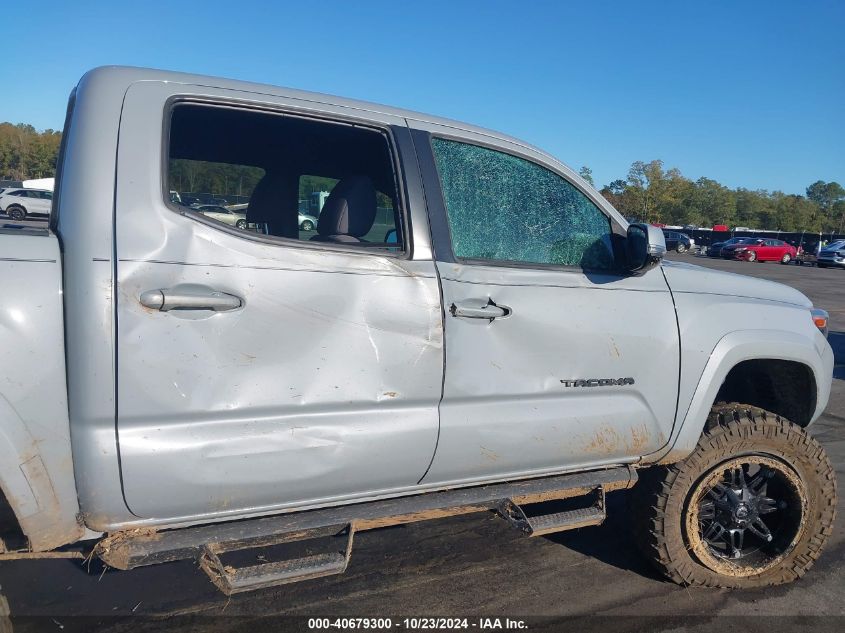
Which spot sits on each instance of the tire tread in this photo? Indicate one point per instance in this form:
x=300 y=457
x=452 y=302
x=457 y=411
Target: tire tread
x=731 y=427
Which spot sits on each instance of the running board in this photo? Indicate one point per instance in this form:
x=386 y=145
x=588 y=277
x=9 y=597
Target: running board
x=230 y=579
x=538 y=524
x=146 y=546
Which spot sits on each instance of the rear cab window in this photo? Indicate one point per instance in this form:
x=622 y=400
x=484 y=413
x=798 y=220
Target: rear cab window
x=284 y=177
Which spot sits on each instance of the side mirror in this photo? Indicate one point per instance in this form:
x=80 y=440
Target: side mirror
x=645 y=246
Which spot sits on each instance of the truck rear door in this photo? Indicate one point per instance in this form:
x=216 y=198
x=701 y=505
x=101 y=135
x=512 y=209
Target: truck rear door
x=267 y=366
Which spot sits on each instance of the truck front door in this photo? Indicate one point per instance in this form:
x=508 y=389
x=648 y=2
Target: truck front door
x=555 y=360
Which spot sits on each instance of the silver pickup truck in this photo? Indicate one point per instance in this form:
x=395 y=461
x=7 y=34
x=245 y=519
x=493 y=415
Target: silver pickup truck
x=470 y=328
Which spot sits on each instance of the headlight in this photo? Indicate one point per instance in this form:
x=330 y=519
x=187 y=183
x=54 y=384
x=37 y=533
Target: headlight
x=820 y=319
x=741 y=248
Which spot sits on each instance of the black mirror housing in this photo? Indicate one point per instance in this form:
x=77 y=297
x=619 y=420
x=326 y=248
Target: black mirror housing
x=645 y=246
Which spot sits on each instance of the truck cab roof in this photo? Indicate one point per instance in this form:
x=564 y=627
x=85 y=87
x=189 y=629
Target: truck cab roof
x=127 y=75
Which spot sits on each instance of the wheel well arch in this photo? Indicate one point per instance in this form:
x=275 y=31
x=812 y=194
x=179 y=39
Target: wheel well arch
x=785 y=387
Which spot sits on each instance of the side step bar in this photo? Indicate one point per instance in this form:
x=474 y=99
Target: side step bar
x=206 y=543
x=542 y=524
x=231 y=580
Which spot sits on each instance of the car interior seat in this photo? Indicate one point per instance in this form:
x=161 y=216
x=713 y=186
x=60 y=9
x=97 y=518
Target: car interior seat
x=349 y=211
x=273 y=205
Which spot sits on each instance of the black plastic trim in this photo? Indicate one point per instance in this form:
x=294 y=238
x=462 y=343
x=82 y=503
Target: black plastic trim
x=441 y=237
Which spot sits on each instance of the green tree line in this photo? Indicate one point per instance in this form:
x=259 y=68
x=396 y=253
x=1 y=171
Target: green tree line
x=655 y=194
x=215 y=178
x=26 y=153
x=220 y=179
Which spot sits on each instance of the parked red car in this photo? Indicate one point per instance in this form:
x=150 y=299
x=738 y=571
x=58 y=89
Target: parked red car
x=761 y=250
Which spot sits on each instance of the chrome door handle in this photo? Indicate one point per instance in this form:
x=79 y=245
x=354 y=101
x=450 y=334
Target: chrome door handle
x=479 y=309
x=166 y=299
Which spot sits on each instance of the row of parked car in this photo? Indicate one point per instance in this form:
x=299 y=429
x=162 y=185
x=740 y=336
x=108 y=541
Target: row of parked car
x=760 y=249
x=756 y=249
x=235 y=215
x=21 y=204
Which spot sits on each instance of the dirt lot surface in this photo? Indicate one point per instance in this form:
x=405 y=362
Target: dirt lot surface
x=468 y=566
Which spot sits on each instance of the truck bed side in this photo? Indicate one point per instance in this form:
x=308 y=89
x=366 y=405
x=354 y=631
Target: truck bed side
x=36 y=468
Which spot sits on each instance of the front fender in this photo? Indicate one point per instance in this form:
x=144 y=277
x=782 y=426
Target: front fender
x=733 y=349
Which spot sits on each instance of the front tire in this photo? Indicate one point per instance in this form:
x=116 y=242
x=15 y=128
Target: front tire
x=786 y=258
x=308 y=225
x=752 y=256
x=16 y=213
x=752 y=506
x=681 y=248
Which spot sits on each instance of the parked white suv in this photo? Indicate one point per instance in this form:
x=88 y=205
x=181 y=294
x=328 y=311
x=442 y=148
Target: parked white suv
x=17 y=204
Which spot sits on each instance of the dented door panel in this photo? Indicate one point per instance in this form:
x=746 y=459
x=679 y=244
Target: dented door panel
x=322 y=386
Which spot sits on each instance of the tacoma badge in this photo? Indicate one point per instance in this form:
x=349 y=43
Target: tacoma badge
x=598 y=382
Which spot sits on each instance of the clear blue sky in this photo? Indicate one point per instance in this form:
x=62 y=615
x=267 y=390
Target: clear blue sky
x=750 y=93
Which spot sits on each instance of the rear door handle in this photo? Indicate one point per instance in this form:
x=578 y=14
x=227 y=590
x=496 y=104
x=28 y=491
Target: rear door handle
x=479 y=309
x=188 y=298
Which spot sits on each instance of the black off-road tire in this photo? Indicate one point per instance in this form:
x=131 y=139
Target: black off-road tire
x=662 y=499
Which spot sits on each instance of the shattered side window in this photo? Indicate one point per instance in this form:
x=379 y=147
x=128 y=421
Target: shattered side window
x=505 y=208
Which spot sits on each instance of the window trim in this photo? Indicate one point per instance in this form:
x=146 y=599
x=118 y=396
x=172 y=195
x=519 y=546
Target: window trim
x=615 y=227
x=235 y=104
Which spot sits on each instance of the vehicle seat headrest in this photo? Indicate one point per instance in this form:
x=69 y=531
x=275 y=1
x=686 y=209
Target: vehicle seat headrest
x=274 y=203
x=349 y=211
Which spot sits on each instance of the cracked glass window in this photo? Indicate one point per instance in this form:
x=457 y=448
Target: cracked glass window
x=505 y=208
